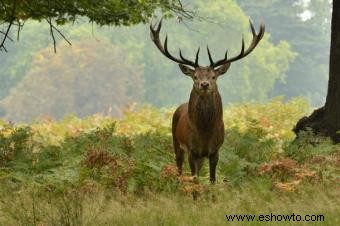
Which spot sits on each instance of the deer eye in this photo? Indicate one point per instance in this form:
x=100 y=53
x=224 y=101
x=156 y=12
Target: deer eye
x=214 y=77
x=195 y=77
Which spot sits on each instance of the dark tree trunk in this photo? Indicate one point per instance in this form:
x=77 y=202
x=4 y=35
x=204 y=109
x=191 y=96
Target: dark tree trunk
x=326 y=120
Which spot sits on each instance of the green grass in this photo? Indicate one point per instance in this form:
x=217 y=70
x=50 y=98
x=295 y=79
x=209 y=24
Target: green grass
x=102 y=208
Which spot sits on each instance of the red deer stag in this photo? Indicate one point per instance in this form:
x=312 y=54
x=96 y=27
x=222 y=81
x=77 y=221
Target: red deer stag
x=197 y=126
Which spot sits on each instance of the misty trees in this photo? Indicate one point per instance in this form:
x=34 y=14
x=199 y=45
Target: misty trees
x=77 y=80
x=14 y=13
x=251 y=80
x=308 y=36
x=326 y=120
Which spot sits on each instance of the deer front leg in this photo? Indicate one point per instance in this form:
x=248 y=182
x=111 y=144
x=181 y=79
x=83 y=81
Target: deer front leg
x=195 y=163
x=179 y=160
x=213 y=159
x=193 y=166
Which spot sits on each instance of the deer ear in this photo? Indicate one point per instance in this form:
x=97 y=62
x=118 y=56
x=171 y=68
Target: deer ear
x=223 y=69
x=186 y=70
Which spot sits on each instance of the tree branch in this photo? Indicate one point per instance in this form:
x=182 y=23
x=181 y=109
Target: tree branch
x=54 y=28
x=102 y=14
x=52 y=34
x=3 y=33
x=12 y=19
x=61 y=34
x=2 y=45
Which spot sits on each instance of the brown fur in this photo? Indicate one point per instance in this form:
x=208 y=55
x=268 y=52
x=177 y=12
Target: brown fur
x=197 y=126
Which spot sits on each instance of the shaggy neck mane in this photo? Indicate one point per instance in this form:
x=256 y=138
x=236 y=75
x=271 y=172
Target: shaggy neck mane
x=205 y=110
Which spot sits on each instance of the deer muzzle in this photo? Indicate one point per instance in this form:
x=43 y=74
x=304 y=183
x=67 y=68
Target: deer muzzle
x=204 y=85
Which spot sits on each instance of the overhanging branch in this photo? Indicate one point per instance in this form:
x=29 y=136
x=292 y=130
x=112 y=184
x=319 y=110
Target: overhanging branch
x=15 y=12
x=54 y=28
x=2 y=45
x=6 y=34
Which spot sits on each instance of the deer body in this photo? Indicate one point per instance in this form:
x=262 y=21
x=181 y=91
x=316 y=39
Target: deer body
x=198 y=129
x=197 y=126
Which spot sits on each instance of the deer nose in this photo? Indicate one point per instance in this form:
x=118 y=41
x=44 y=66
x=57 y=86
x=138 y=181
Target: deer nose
x=205 y=85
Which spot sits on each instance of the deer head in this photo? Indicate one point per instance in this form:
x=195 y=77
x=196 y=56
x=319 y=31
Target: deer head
x=205 y=77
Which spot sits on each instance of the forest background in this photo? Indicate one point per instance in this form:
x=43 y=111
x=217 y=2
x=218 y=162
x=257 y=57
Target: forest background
x=109 y=69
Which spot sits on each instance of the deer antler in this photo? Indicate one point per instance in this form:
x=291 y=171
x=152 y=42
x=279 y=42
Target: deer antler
x=154 y=33
x=243 y=53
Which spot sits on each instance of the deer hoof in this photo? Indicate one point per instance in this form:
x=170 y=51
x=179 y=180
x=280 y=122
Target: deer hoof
x=195 y=179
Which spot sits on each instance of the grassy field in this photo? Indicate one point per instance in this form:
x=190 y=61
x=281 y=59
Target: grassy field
x=105 y=171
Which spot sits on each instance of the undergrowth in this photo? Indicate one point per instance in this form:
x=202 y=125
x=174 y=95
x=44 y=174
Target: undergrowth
x=75 y=171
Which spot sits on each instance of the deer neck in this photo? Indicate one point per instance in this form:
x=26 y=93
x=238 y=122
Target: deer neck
x=205 y=111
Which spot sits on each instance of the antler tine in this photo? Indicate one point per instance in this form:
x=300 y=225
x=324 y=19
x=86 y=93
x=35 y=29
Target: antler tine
x=242 y=48
x=154 y=33
x=186 y=60
x=256 y=39
x=252 y=28
x=210 y=58
x=166 y=46
x=159 y=25
x=197 y=56
x=241 y=54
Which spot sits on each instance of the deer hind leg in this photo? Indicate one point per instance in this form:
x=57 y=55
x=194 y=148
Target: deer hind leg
x=213 y=159
x=179 y=154
x=179 y=159
x=196 y=164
